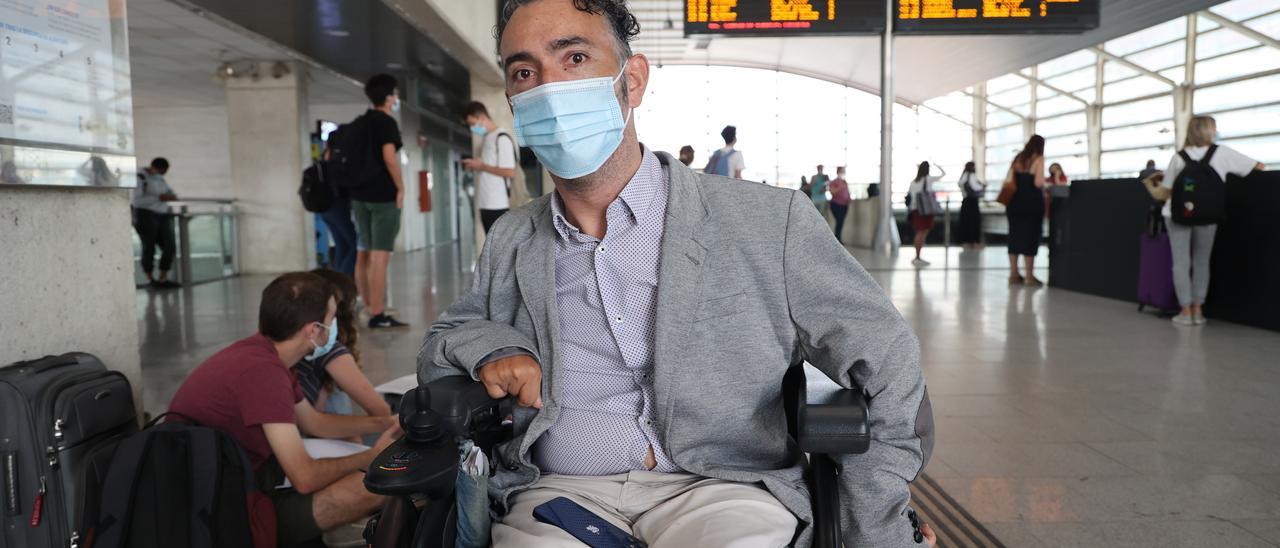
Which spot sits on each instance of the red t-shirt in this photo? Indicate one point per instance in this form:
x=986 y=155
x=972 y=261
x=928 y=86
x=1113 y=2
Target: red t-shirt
x=239 y=389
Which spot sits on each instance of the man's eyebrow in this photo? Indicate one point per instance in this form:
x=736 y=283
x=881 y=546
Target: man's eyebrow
x=562 y=43
x=517 y=57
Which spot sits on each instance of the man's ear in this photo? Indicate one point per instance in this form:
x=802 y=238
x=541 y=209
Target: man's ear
x=637 y=79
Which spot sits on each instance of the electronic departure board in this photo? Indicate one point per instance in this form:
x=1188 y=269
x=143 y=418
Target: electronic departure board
x=783 y=17
x=816 y=17
x=995 y=16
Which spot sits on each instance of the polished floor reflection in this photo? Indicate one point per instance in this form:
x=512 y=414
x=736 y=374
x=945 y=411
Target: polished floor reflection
x=1063 y=419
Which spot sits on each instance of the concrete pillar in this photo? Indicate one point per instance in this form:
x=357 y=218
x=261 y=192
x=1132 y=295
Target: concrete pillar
x=67 y=277
x=1183 y=109
x=268 y=123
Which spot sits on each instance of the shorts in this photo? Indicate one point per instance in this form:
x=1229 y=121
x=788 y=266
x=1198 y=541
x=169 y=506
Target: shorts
x=377 y=224
x=921 y=223
x=295 y=519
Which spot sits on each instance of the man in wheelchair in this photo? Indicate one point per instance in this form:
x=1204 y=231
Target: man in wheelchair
x=644 y=316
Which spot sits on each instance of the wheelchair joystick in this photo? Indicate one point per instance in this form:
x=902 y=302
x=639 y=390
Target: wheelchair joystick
x=420 y=424
x=424 y=461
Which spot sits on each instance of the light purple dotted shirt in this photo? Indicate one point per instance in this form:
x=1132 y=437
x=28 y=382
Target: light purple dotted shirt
x=606 y=293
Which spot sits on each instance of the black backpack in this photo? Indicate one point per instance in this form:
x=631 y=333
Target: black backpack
x=317 y=192
x=176 y=484
x=1199 y=194
x=353 y=162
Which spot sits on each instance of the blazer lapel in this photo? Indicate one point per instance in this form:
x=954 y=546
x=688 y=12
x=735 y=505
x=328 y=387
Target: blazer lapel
x=681 y=261
x=535 y=275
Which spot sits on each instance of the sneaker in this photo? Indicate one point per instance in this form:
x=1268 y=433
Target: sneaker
x=168 y=284
x=919 y=262
x=383 y=321
x=1016 y=279
x=1199 y=319
x=1032 y=281
x=1184 y=319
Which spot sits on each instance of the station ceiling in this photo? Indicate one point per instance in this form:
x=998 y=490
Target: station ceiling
x=924 y=66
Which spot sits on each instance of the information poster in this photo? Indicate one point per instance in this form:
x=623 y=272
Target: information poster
x=65 y=98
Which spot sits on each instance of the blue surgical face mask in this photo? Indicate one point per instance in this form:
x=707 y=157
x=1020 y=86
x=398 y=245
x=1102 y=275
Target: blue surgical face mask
x=1217 y=136
x=479 y=130
x=320 y=351
x=573 y=127
x=395 y=106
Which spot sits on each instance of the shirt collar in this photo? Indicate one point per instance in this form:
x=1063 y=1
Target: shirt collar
x=637 y=199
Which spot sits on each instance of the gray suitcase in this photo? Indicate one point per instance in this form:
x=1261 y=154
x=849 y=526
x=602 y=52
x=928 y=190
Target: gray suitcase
x=61 y=418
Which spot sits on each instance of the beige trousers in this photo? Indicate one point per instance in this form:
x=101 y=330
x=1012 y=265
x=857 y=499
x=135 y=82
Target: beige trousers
x=663 y=510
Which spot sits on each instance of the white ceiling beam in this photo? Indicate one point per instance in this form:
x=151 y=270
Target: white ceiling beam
x=1020 y=115
x=1240 y=28
x=1144 y=70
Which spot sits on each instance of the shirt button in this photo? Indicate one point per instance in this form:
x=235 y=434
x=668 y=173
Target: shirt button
x=600 y=249
x=618 y=319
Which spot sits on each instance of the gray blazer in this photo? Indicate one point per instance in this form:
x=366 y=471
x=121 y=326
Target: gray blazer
x=751 y=282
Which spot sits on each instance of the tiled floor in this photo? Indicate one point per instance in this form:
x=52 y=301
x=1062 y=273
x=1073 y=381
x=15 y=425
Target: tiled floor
x=1063 y=419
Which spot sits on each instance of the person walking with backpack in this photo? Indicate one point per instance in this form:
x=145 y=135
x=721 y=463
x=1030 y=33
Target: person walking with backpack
x=726 y=162
x=495 y=169
x=1194 y=189
x=378 y=200
x=818 y=190
x=922 y=206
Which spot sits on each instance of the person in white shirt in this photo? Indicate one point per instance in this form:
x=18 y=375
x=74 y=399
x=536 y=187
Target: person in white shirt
x=727 y=161
x=1192 y=245
x=972 y=188
x=153 y=223
x=920 y=208
x=496 y=166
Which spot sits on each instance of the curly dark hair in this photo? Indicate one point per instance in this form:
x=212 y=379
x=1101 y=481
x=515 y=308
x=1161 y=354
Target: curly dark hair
x=621 y=20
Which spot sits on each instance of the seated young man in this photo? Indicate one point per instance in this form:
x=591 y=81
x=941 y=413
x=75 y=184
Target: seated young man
x=248 y=391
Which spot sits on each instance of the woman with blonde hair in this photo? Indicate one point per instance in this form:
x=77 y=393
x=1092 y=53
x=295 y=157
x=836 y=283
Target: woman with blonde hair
x=1193 y=244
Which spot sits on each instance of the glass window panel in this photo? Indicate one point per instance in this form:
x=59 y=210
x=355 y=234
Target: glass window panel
x=1129 y=162
x=1008 y=81
x=1074 y=80
x=1250 y=121
x=1177 y=74
x=1004 y=136
x=1219 y=42
x=1020 y=95
x=997 y=117
x=1235 y=94
x=1262 y=149
x=1156 y=134
x=1239 y=10
x=1150 y=110
x=1162 y=57
x=1112 y=71
x=1057 y=105
x=1128 y=89
x=1076 y=166
x=1269 y=25
x=1159 y=34
x=1067 y=145
x=801 y=143
x=956 y=104
x=1245 y=62
x=1067 y=63
x=1062 y=125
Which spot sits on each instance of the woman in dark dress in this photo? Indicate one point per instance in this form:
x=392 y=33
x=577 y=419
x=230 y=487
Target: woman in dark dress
x=971 y=188
x=1026 y=211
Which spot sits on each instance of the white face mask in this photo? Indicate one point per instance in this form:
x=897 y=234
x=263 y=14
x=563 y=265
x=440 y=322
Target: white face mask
x=395 y=106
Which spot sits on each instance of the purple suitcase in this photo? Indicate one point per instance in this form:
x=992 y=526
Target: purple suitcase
x=1155 y=274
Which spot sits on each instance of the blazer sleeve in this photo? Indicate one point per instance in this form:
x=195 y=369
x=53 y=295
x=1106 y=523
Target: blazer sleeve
x=465 y=337
x=848 y=328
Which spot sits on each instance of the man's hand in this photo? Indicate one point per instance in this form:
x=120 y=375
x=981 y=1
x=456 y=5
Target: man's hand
x=385 y=440
x=472 y=164
x=929 y=536
x=518 y=376
x=399 y=199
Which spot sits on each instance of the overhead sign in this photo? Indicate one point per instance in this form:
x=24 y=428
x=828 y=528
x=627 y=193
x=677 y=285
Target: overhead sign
x=996 y=16
x=819 y=17
x=783 y=17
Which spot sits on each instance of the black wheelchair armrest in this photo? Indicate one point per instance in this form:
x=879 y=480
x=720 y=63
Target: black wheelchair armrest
x=831 y=420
